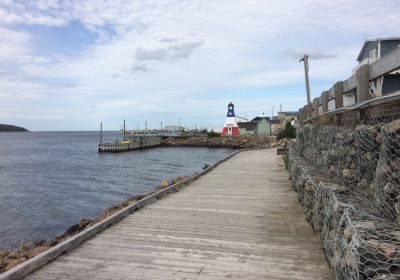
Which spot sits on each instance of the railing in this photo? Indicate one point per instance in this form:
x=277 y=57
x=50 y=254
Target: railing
x=357 y=85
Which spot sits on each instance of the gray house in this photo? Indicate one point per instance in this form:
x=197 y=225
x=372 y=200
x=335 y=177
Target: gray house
x=373 y=50
x=376 y=48
x=260 y=126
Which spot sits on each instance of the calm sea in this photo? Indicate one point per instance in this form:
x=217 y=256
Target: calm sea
x=50 y=180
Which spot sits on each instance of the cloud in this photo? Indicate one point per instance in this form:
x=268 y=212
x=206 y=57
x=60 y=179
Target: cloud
x=139 y=68
x=312 y=53
x=183 y=50
x=143 y=54
x=172 y=52
x=169 y=40
x=15 y=44
x=160 y=59
x=66 y=85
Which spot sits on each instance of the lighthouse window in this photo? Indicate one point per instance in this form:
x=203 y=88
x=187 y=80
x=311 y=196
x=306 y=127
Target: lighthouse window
x=230 y=129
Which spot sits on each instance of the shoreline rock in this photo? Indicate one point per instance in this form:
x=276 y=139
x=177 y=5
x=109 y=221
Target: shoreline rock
x=238 y=142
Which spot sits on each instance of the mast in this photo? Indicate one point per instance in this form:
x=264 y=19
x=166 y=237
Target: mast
x=124 y=130
x=101 y=133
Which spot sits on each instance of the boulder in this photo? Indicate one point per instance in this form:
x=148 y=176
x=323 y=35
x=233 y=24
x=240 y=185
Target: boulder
x=37 y=250
x=164 y=184
x=14 y=263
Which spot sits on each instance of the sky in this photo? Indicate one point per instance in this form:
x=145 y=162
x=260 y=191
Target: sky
x=69 y=65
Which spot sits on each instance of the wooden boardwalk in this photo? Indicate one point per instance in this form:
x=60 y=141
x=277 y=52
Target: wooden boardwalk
x=240 y=221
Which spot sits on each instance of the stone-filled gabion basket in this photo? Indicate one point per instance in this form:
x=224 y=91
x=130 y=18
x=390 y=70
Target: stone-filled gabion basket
x=349 y=184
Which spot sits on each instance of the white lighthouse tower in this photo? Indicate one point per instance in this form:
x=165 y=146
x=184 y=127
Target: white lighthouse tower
x=231 y=127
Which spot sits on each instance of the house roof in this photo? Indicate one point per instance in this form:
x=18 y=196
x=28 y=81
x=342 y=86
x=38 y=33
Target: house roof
x=289 y=113
x=275 y=121
x=248 y=125
x=238 y=118
x=257 y=119
x=369 y=41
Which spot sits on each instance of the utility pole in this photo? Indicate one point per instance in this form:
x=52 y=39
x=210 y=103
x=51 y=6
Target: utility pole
x=272 y=111
x=280 y=108
x=145 y=125
x=161 y=125
x=306 y=69
x=179 y=125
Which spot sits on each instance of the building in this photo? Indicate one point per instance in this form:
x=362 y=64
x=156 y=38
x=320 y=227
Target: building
x=320 y=105
x=371 y=51
x=374 y=49
x=331 y=101
x=260 y=126
x=230 y=126
x=247 y=128
x=275 y=126
x=173 y=128
x=288 y=116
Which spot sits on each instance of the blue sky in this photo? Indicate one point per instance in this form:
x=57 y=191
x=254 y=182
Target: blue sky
x=69 y=65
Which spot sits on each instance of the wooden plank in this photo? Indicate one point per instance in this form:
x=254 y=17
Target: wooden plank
x=240 y=221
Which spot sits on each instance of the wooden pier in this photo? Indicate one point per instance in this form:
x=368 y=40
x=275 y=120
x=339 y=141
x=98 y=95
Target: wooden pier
x=131 y=143
x=242 y=220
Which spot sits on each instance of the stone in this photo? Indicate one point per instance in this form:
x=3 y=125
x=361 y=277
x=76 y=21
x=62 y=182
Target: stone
x=388 y=188
x=348 y=233
x=347 y=173
x=379 y=138
x=180 y=178
x=164 y=184
x=37 y=250
x=388 y=250
x=84 y=223
x=4 y=254
x=386 y=168
x=136 y=197
x=393 y=127
x=14 y=263
x=396 y=235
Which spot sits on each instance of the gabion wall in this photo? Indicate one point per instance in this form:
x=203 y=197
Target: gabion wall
x=348 y=181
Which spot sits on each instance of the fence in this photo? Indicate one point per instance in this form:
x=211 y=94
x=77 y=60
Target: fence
x=348 y=180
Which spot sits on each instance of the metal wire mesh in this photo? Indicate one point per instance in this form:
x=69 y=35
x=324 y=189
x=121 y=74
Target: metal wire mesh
x=348 y=181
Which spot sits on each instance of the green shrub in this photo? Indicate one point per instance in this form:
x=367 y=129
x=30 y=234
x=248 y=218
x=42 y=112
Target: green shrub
x=288 y=132
x=213 y=134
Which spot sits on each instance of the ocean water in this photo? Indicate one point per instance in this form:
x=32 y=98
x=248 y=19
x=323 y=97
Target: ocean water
x=50 y=180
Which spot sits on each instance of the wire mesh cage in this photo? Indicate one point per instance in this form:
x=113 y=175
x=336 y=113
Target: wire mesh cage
x=348 y=180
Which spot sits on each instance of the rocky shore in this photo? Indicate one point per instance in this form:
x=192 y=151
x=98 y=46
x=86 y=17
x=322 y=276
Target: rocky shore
x=242 y=142
x=30 y=249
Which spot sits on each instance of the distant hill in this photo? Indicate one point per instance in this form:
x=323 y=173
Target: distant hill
x=7 y=127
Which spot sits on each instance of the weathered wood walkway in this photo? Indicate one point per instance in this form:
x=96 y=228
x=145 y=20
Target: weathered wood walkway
x=240 y=221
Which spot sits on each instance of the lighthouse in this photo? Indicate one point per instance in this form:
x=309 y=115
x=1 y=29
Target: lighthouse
x=230 y=126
